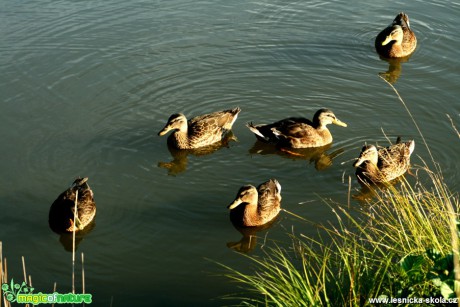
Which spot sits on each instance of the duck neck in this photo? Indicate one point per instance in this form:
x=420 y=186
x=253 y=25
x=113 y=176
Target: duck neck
x=180 y=139
x=317 y=124
x=251 y=215
x=396 y=48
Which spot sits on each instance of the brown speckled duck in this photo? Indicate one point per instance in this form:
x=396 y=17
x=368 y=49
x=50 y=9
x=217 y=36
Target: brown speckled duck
x=199 y=131
x=298 y=132
x=61 y=214
x=256 y=206
x=397 y=40
x=385 y=164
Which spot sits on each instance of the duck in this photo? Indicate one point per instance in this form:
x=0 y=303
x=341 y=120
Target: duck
x=397 y=40
x=61 y=214
x=254 y=207
x=384 y=164
x=298 y=132
x=199 y=131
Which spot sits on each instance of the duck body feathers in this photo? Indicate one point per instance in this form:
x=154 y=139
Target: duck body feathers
x=397 y=40
x=199 y=131
x=298 y=132
x=256 y=206
x=61 y=214
x=384 y=164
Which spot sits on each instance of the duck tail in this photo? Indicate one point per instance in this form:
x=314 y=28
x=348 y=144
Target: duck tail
x=230 y=117
x=236 y=110
x=256 y=131
x=411 y=145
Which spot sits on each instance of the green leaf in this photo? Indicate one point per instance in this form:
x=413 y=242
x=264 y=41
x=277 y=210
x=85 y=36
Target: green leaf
x=412 y=262
x=447 y=291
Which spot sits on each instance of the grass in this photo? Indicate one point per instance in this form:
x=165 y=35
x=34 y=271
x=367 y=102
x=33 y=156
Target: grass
x=403 y=243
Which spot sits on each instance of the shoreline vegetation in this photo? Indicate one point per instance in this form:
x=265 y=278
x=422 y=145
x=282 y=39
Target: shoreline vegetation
x=400 y=246
x=16 y=296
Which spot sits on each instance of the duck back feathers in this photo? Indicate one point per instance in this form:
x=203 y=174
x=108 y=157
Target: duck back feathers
x=61 y=214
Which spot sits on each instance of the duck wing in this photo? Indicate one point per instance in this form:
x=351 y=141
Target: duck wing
x=394 y=160
x=209 y=128
x=297 y=130
x=271 y=132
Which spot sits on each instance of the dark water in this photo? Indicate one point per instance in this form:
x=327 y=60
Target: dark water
x=85 y=87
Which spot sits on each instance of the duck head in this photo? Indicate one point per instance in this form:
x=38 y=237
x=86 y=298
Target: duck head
x=397 y=35
x=325 y=117
x=402 y=20
x=175 y=122
x=247 y=194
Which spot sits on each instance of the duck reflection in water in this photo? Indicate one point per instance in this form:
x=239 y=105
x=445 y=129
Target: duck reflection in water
x=66 y=239
x=248 y=242
x=316 y=155
x=180 y=156
x=394 y=69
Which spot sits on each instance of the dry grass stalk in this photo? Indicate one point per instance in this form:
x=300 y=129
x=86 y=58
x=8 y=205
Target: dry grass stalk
x=453 y=126
x=83 y=272
x=54 y=290
x=3 y=276
x=73 y=242
x=1 y=271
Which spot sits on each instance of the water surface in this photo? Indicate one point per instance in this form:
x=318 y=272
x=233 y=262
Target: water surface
x=86 y=86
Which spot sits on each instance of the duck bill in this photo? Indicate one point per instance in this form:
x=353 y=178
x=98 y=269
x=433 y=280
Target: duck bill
x=358 y=162
x=339 y=123
x=164 y=130
x=387 y=40
x=234 y=204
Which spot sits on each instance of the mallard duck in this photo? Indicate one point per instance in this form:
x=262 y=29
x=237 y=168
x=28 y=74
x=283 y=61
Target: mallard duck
x=256 y=206
x=199 y=131
x=61 y=215
x=397 y=40
x=385 y=164
x=299 y=132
